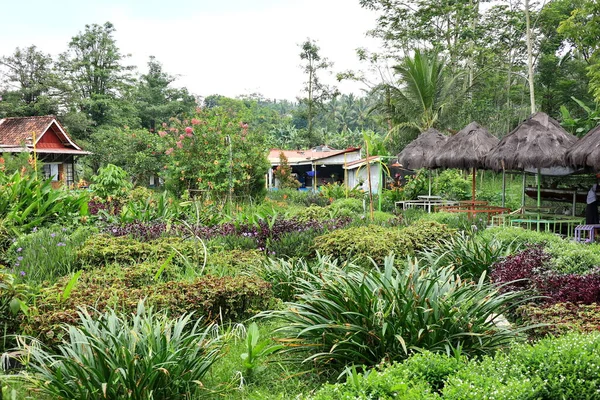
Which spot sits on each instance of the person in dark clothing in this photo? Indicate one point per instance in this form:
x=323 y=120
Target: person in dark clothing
x=591 y=210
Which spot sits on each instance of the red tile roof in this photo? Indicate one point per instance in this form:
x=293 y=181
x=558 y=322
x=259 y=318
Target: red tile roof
x=19 y=131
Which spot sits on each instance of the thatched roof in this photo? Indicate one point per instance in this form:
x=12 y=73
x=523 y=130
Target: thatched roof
x=467 y=149
x=538 y=142
x=420 y=152
x=586 y=152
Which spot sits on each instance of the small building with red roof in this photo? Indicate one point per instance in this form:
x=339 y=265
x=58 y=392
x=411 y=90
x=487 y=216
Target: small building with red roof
x=314 y=167
x=45 y=137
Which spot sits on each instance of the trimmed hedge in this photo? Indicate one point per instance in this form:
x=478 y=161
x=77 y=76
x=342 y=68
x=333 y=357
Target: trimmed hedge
x=378 y=242
x=216 y=298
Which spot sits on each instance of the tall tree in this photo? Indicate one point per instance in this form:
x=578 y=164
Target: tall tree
x=582 y=30
x=424 y=92
x=98 y=80
x=156 y=100
x=317 y=92
x=29 y=82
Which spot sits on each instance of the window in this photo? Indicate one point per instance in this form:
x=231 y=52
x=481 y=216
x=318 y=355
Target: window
x=51 y=171
x=70 y=174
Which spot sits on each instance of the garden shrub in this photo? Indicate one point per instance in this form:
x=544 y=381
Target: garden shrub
x=377 y=242
x=470 y=255
x=13 y=297
x=224 y=298
x=116 y=356
x=293 y=244
x=560 y=318
x=47 y=253
x=451 y=184
x=362 y=242
x=313 y=213
x=355 y=206
x=142 y=231
x=343 y=316
x=554 y=368
x=232 y=262
x=566 y=256
x=103 y=249
x=531 y=268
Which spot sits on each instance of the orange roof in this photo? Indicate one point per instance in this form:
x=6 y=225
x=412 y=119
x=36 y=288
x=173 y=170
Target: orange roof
x=19 y=131
x=307 y=156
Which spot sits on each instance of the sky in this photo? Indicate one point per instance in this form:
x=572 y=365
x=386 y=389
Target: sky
x=227 y=47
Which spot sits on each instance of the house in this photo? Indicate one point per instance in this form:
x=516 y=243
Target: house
x=357 y=174
x=313 y=167
x=47 y=139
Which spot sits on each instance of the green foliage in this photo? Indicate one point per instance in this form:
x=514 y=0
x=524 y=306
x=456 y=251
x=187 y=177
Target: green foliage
x=233 y=262
x=226 y=298
x=27 y=202
x=13 y=302
x=151 y=356
x=256 y=351
x=283 y=274
x=46 y=254
x=451 y=184
x=217 y=150
x=314 y=212
x=103 y=249
x=560 y=318
x=377 y=242
x=472 y=256
x=111 y=181
x=352 y=316
x=293 y=244
x=566 y=256
x=351 y=206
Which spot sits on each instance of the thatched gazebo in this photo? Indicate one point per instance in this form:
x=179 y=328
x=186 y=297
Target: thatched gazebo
x=467 y=150
x=420 y=152
x=538 y=143
x=585 y=153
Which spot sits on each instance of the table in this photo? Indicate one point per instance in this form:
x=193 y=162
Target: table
x=550 y=223
x=426 y=204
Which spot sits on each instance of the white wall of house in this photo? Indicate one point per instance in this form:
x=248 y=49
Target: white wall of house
x=358 y=176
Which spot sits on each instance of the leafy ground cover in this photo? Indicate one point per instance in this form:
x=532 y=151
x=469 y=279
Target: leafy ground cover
x=299 y=291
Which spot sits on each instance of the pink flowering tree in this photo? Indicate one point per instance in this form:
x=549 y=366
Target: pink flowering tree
x=199 y=156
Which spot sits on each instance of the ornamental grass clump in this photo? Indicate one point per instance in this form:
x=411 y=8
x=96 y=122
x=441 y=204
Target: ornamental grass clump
x=146 y=356
x=350 y=315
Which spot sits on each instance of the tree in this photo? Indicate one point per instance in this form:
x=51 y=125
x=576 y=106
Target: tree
x=423 y=94
x=283 y=173
x=317 y=92
x=30 y=81
x=582 y=30
x=156 y=101
x=98 y=81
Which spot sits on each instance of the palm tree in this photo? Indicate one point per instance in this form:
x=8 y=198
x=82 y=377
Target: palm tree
x=425 y=90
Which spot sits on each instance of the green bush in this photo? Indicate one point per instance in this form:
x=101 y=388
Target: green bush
x=27 y=202
x=566 y=256
x=232 y=262
x=314 y=213
x=293 y=244
x=13 y=302
x=355 y=206
x=470 y=255
x=344 y=316
x=554 y=368
x=560 y=318
x=111 y=181
x=46 y=254
x=104 y=249
x=113 y=356
x=451 y=184
x=225 y=298
x=377 y=242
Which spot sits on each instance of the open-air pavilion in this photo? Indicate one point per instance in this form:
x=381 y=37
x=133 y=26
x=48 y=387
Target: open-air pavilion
x=538 y=146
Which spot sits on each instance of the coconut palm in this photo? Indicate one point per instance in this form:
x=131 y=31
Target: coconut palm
x=425 y=90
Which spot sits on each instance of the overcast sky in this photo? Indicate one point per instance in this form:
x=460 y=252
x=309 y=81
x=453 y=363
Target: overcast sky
x=228 y=47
